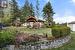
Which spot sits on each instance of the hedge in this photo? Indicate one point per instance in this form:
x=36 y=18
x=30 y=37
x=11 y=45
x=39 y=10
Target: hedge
x=59 y=31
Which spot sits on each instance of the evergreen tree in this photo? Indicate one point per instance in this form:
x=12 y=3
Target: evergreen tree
x=15 y=10
x=32 y=13
x=37 y=8
x=48 y=13
x=27 y=10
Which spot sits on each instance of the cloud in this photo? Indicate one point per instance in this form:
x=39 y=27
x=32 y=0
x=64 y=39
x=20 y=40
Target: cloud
x=46 y=1
x=68 y=16
x=73 y=1
x=64 y=19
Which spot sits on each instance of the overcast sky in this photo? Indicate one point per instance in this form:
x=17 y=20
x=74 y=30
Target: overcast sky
x=64 y=9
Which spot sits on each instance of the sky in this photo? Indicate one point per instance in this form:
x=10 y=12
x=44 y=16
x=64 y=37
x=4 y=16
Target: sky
x=64 y=9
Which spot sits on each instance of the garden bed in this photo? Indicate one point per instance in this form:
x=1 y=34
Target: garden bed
x=26 y=36
x=42 y=44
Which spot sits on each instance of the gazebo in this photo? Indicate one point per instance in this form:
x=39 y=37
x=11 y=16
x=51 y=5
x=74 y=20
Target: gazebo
x=31 y=21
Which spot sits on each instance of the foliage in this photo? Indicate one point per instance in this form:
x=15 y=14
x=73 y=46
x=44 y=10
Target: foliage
x=32 y=13
x=36 y=25
x=6 y=38
x=16 y=13
x=27 y=10
x=47 y=26
x=59 y=31
x=23 y=38
x=48 y=13
x=6 y=20
x=1 y=14
x=37 y=8
x=39 y=31
x=5 y=17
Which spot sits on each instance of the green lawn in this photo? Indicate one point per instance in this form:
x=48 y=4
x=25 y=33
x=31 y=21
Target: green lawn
x=69 y=46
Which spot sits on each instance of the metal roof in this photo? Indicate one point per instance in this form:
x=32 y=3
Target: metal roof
x=72 y=22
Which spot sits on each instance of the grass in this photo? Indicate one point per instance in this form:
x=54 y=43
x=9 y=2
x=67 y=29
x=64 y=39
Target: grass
x=39 y=31
x=69 y=46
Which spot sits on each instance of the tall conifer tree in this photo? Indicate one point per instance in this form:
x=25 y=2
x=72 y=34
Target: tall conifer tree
x=27 y=10
x=37 y=8
x=32 y=10
x=48 y=13
x=15 y=10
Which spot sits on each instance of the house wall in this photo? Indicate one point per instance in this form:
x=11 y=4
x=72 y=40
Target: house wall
x=41 y=24
x=72 y=26
x=32 y=23
x=25 y=24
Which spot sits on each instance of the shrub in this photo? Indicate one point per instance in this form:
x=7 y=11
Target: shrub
x=59 y=31
x=36 y=25
x=28 y=26
x=23 y=38
x=6 y=38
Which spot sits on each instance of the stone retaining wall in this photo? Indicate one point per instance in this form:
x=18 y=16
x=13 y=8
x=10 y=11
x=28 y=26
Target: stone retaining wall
x=45 y=45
